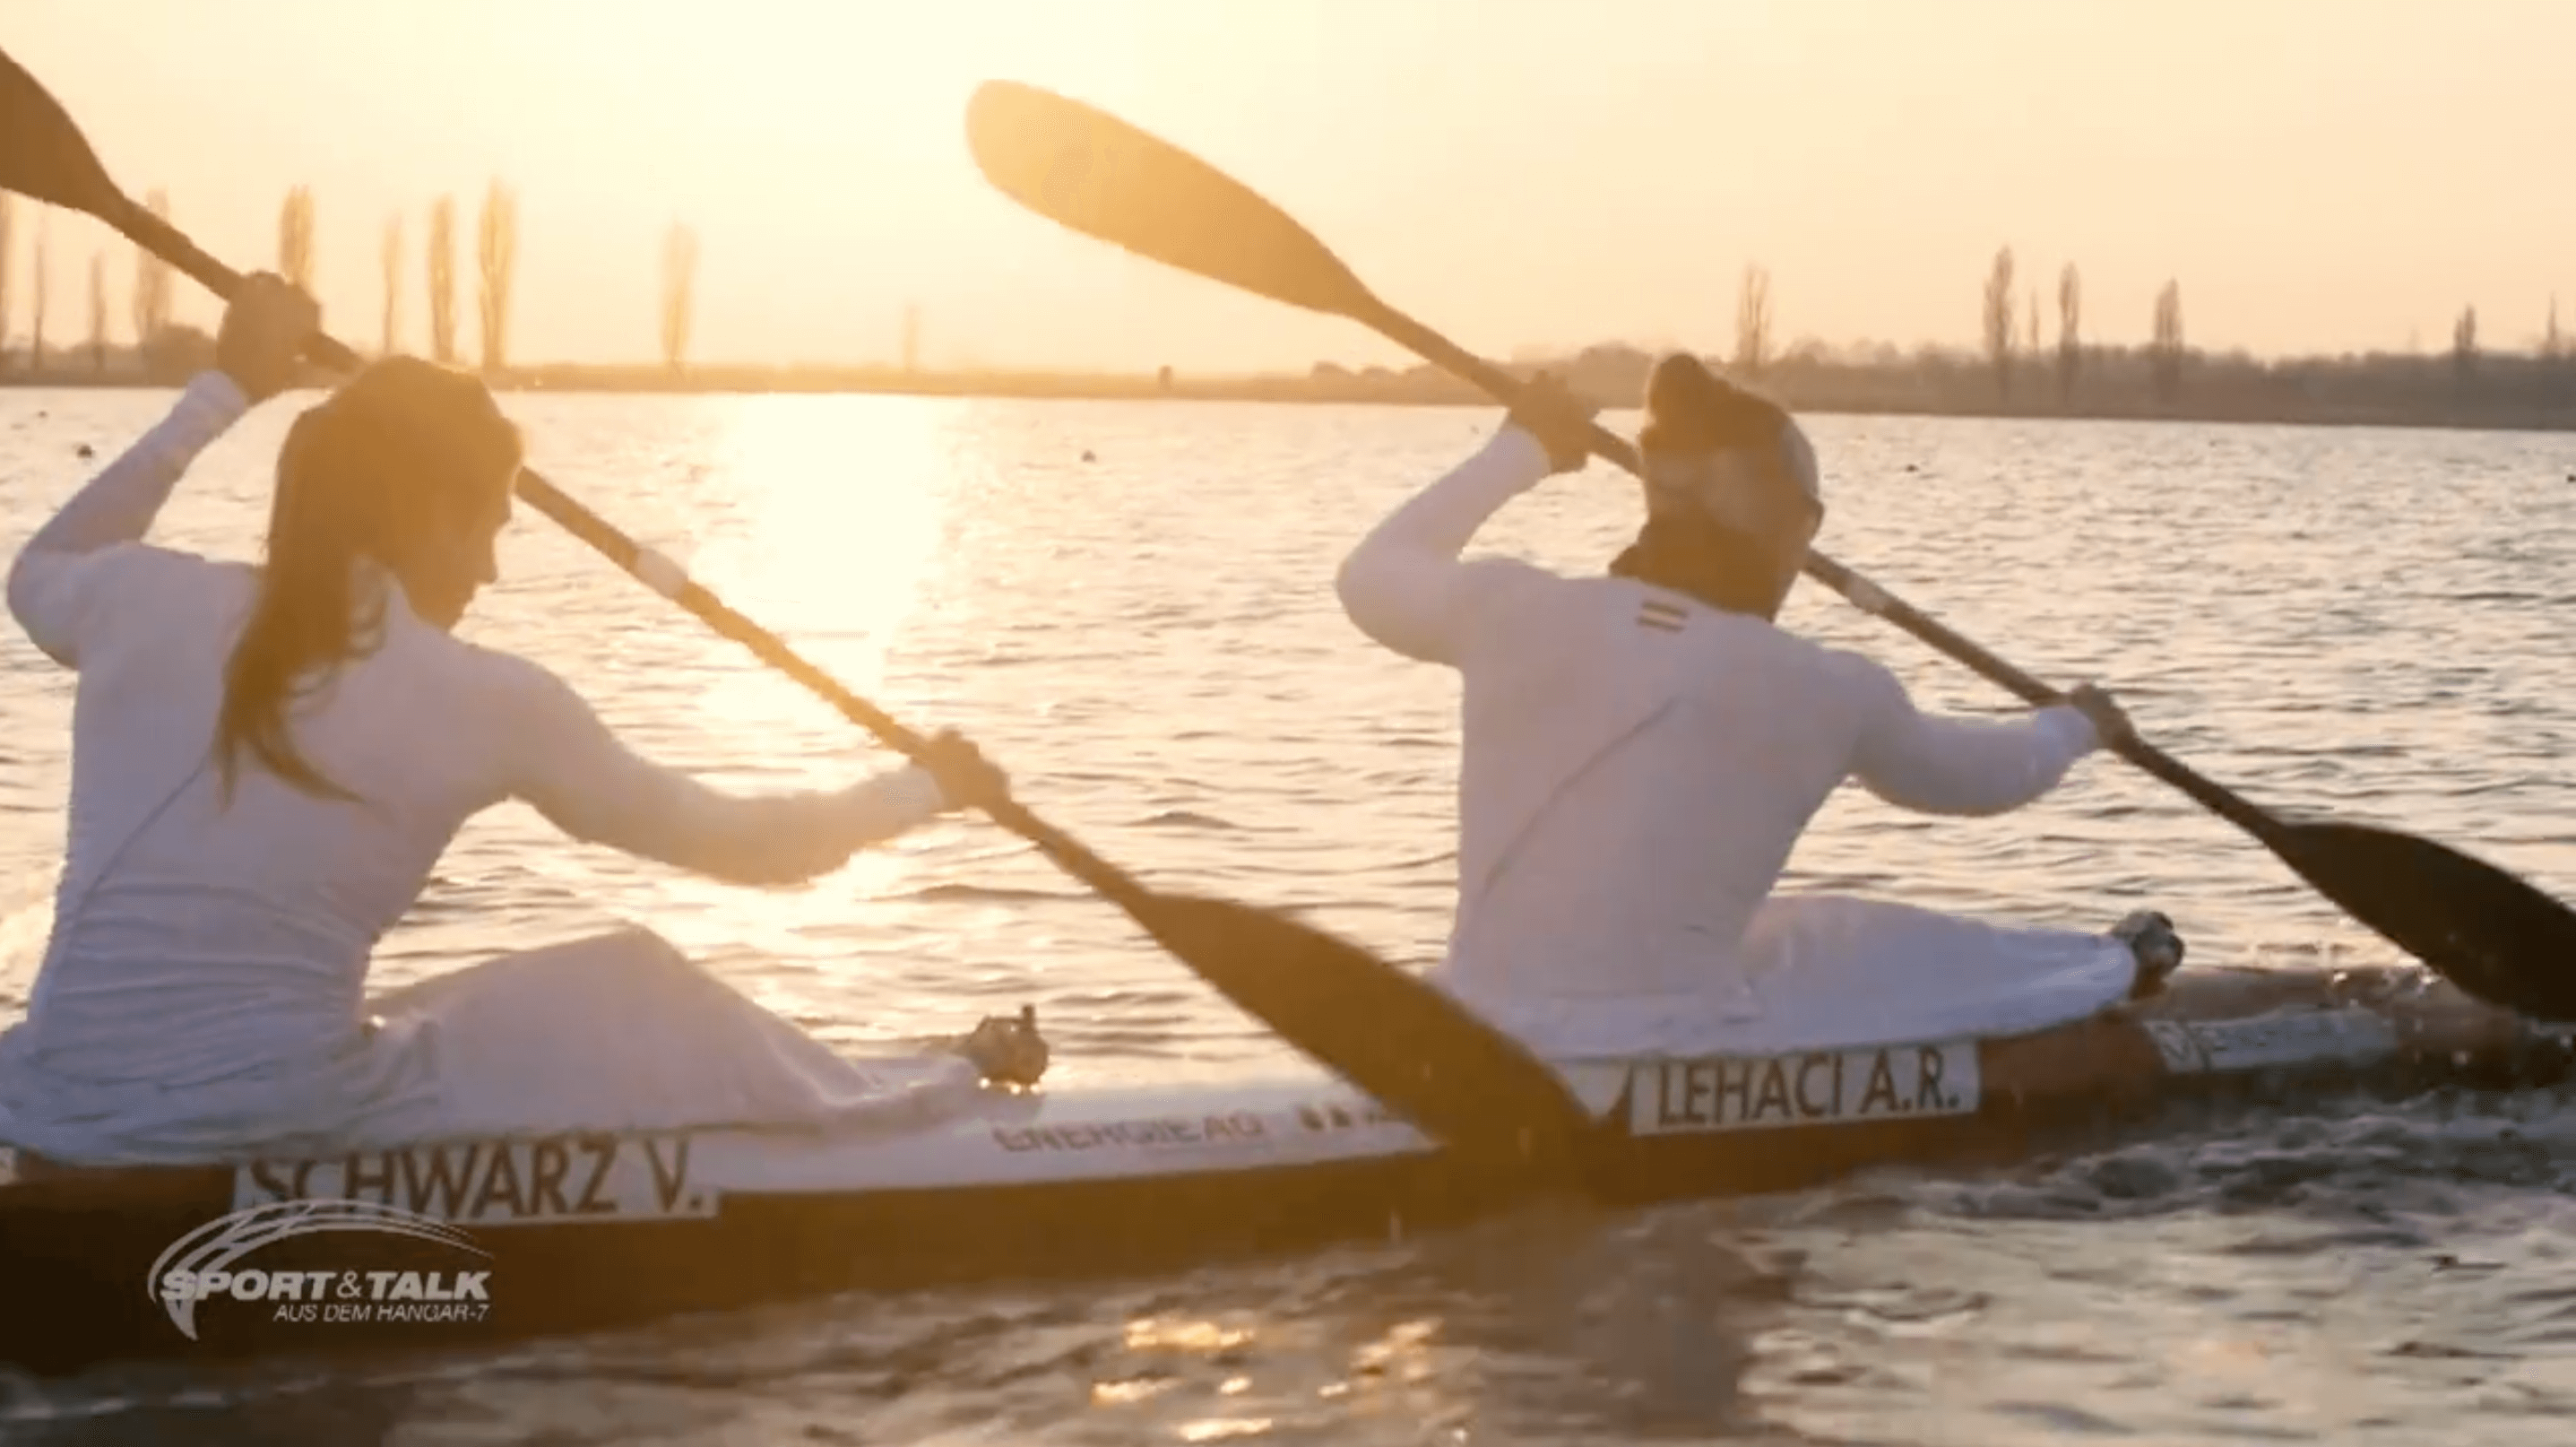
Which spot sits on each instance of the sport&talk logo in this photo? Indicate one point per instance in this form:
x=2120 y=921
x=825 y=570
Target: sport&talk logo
x=197 y=1267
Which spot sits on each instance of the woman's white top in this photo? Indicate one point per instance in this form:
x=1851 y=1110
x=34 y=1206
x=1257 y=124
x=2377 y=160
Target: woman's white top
x=204 y=986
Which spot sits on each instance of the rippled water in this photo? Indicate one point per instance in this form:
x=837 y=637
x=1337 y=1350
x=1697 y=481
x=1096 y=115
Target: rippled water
x=1130 y=606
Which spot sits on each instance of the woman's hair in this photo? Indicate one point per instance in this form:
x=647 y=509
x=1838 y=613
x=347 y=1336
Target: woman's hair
x=391 y=461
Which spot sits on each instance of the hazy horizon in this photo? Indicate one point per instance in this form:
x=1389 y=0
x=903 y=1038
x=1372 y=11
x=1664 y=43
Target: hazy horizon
x=2318 y=178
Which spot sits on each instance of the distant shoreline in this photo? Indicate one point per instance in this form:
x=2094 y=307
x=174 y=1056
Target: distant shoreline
x=1837 y=391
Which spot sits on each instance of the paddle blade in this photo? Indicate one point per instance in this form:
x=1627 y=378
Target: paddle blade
x=1404 y=1042
x=2491 y=934
x=44 y=156
x=1098 y=175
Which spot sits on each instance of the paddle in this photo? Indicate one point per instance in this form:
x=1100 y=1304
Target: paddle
x=1389 y=1033
x=2490 y=933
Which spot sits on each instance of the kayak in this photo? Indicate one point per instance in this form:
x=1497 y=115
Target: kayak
x=474 y=1241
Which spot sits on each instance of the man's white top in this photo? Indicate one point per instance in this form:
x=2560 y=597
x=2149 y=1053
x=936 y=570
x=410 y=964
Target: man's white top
x=204 y=987
x=1636 y=768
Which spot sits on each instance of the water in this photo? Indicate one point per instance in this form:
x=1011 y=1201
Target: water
x=2371 y=623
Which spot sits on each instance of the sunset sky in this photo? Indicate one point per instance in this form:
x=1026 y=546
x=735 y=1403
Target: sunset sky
x=2318 y=174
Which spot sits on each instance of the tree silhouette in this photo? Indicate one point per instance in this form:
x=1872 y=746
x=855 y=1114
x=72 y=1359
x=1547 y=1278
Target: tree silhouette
x=498 y=256
x=151 y=300
x=679 y=290
x=40 y=290
x=2070 y=343
x=295 y=237
x=2165 y=352
x=2030 y=327
x=8 y=225
x=2464 y=349
x=2553 y=353
x=389 y=255
x=1999 y=321
x=98 y=311
x=1753 y=320
x=442 y=280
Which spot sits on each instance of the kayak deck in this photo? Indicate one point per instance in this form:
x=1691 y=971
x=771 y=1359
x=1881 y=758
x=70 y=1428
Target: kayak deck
x=586 y=1231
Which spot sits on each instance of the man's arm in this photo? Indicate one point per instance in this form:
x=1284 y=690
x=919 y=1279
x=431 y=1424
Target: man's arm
x=1406 y=585
x=1962 y=766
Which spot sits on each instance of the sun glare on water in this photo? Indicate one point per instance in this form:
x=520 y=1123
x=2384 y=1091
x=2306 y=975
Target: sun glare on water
x=822 y=519
x=840 y=504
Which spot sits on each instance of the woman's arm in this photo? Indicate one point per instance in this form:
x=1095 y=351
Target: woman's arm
x=64 y=570
x=48 y=586
x=588 y=783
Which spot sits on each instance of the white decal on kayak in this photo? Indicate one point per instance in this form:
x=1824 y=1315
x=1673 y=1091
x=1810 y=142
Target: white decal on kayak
x=1823 y=1087
x=199 y=1267
x=1152 y=1132
x=524 y=1181
x=2294 y=1037
x=2180 y=1047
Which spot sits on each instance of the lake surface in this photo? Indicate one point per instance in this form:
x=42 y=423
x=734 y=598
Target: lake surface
x=1129 y=605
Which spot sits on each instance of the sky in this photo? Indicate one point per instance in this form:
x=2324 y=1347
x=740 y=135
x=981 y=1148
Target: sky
x=2318 y=175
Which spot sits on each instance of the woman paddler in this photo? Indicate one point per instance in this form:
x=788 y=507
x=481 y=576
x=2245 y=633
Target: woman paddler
x=267 y=762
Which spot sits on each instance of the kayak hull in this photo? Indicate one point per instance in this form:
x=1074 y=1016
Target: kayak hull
x=560 y=1235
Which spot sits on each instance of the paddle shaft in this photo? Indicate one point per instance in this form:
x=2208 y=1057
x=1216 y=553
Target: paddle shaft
x=1860 y=591
x=665 y=577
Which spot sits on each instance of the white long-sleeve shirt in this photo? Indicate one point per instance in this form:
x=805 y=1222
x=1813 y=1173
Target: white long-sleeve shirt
x=1636 y=767
x=202 y=946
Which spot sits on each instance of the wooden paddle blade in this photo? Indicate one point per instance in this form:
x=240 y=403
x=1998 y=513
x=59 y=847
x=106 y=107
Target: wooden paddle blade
x=2484 y=930
x=1098 y=175
x=1403 y=1041
x=44 y=156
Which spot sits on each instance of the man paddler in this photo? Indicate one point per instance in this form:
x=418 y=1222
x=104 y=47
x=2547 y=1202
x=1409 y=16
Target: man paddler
x=1642 y=750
